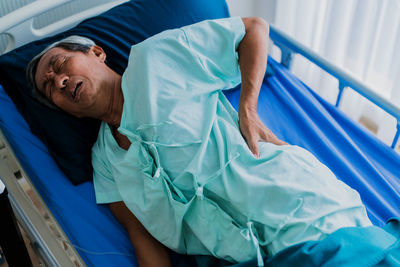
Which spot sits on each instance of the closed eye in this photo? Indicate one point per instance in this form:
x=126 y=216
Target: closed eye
x=59 y=64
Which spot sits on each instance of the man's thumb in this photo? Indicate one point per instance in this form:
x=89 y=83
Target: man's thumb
x=254 y=148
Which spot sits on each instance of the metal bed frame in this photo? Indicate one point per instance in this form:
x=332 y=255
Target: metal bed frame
x=290 y=46
x=45 y=242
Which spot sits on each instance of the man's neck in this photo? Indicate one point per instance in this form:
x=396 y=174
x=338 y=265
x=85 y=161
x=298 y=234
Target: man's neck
x=116 y=100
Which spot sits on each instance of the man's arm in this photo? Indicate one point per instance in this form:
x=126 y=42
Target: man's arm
x=149 y=252
x=253 y=57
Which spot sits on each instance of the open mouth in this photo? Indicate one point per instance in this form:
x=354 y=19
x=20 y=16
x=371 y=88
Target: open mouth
x=78 y=85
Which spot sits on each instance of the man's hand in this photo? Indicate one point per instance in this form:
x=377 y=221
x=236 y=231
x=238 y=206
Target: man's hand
x=253 y=55
x=253 y=130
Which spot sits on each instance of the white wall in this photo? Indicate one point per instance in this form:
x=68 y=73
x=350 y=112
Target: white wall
x=265 y=9
x=260 y=8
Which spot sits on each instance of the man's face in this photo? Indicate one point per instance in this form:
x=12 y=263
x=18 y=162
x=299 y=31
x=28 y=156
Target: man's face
x=72 y=80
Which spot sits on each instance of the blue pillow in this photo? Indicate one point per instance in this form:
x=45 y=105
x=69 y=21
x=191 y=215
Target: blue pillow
x=69 y=139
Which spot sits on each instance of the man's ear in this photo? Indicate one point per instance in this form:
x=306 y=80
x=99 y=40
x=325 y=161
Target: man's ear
x=99 y=52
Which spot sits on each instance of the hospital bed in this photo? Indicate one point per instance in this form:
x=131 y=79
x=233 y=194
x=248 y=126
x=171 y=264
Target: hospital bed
x=69 y=229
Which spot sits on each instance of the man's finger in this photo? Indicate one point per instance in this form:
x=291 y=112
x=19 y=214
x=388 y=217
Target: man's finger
x=270 y=137
x=253 y=146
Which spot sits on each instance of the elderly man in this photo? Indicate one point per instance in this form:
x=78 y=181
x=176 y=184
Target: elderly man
x=175 y=161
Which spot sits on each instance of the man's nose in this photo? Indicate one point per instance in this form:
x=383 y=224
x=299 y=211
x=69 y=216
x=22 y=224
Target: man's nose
x=61 y=81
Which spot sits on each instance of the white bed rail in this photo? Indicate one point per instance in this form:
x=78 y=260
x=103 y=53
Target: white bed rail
x=45 y=240
x=18 y=24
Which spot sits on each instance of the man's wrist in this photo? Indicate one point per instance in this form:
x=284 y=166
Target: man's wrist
x=247 y=110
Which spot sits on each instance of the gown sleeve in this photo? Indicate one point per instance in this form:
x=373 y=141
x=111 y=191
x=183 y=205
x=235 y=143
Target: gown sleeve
x=215 y=42
x=106 y=189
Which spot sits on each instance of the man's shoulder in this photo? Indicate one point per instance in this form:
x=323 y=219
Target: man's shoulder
x=167 y=37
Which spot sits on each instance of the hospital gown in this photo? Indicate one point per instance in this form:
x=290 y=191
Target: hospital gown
x=189 y=176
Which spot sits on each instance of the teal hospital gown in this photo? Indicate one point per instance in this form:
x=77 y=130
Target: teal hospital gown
x=189 y=176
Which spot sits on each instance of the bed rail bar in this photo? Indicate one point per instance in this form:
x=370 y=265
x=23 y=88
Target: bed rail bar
x=18 y=24
x=46 y=240
x=289 y=45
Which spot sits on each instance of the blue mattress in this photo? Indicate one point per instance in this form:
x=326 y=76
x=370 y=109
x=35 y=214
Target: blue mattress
x=288 y=107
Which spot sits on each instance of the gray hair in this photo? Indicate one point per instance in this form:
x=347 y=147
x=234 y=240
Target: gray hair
x=71 y=43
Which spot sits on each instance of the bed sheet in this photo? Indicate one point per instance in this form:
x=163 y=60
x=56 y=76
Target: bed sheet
x=288 y=107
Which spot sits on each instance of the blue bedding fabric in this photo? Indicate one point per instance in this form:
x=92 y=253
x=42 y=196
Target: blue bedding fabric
x=352 y=153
